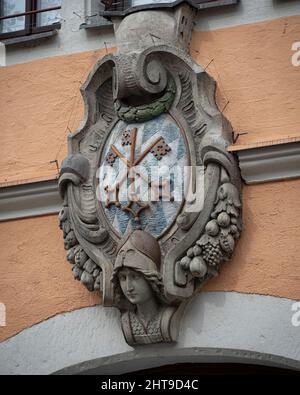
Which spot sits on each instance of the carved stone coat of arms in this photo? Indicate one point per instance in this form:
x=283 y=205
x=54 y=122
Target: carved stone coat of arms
x=151 y=195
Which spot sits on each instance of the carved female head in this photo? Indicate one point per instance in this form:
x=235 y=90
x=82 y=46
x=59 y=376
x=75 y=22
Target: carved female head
x=136 y=273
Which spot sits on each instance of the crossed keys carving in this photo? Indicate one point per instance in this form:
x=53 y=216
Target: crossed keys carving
x=135 y=206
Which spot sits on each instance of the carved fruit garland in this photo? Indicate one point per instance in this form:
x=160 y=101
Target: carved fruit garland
x=84 y=269
x=216 y=245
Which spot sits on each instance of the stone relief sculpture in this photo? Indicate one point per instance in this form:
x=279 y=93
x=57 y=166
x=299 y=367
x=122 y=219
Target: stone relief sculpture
x=137 y=276
x=150 y=109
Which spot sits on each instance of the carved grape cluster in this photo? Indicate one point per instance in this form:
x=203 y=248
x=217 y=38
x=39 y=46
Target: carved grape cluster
x=212 y=254
x=84 y=269
x=217 y=243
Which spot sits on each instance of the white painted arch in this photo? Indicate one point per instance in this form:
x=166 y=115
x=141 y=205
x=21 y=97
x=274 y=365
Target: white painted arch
x=217 y=327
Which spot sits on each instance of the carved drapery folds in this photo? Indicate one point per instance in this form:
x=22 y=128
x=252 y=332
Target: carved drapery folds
x=148 y=107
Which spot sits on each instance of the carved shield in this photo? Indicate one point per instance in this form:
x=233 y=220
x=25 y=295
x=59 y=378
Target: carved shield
x=156 y=153
x=150 y=112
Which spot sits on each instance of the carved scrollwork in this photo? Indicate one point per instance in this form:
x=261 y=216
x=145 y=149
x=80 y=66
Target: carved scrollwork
x=137 y=74
x=152 y=106
x=84 y=269
x=78 y=224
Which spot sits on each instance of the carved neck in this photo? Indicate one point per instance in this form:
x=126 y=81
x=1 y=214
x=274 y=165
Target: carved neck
x=147 y=310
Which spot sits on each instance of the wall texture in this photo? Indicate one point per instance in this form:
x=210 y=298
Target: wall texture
x=218 y=327
x=70 y=38
x=257 y=91
x=37 y=282
x=42 y=103
x=256 y=78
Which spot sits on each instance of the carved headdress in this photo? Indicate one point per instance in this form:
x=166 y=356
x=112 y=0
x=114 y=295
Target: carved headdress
x=140 y=251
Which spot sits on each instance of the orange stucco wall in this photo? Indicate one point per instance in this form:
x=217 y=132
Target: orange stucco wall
x=257 y=83
x=252 y=65
x=41 y=105
x=267 y=255
x=36 y=280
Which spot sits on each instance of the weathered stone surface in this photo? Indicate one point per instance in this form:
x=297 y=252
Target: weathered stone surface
x=150 y=101
x=89 y=266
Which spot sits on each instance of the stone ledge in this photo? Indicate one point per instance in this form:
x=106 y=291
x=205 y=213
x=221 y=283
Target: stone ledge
x=94 y=23
x=258 y=165
x=29 y=200
x=175 y=3
x=270 y=163
x=31 y=39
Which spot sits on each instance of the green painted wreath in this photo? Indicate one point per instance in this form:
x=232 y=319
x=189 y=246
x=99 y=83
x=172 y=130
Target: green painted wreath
x=147 y=111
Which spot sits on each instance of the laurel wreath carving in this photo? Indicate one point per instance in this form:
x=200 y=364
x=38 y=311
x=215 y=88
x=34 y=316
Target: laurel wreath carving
x=147 y=112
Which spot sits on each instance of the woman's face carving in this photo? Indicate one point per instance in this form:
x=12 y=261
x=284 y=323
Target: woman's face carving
x=134 y=286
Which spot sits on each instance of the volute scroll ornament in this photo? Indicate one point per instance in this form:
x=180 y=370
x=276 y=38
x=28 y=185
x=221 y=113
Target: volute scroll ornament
x=152 y=197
